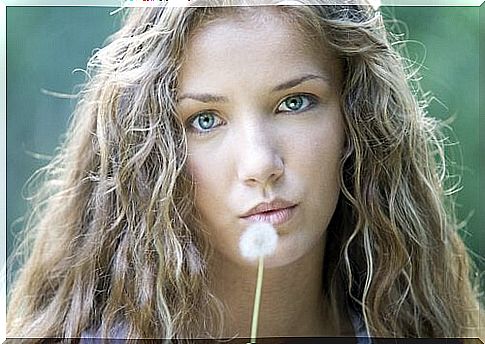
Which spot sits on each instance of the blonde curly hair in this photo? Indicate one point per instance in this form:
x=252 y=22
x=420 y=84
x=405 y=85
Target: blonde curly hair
x=113 y=236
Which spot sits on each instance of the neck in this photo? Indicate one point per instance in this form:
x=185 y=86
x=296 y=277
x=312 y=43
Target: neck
x=292 y=302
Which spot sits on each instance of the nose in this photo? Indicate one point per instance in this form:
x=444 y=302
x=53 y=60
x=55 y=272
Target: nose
x=259 y=163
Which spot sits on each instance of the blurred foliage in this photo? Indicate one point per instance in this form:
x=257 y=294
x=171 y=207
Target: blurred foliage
x=445 y=41
x=45 y=45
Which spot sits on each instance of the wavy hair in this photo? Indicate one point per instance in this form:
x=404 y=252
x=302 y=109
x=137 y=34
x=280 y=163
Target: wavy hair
x=113 y=238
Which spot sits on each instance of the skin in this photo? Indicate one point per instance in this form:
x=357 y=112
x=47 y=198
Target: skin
x=258 y=130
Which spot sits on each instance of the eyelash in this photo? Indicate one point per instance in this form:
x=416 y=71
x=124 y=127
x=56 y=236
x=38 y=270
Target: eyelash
x=312 y=101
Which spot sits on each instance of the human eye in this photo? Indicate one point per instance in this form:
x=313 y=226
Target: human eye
x=204 y=122
x=297 y=103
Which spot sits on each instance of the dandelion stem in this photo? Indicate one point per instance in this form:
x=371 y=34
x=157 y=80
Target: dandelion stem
x=257 y=300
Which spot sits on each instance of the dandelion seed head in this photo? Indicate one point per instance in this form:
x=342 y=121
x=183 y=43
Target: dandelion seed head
x=258 y=240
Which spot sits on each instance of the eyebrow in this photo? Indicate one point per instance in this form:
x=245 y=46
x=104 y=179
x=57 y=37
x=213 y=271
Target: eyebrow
x=295 y=82
x=203 y=97
x=213 y=98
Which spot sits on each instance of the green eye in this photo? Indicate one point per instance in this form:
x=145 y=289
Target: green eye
x=205 y=122
x=296 y=103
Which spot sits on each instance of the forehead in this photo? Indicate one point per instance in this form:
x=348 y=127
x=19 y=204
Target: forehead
x=263 y=40
x=259 y=19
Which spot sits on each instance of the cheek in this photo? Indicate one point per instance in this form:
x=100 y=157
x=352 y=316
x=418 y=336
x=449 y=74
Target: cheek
x=199 y=174
x=207 y=173
x=318 y=168
x=318 y=152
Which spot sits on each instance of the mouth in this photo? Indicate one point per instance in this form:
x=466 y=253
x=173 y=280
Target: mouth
x=275 y=217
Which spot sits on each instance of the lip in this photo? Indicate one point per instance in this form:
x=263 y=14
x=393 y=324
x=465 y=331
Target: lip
x=275 y=212
x=275 y=217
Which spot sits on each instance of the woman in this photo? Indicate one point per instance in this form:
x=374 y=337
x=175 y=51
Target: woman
x=198 y=122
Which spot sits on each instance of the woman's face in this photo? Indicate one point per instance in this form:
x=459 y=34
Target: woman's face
x=265 y=133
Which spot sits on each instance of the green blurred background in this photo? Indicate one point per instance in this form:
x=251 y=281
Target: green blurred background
x=46 y=44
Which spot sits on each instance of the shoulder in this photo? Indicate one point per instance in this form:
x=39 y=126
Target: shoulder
x=92 y=335
x=359 y=328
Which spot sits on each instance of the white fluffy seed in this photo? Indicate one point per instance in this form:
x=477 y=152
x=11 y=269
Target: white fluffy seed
x=258 y=240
